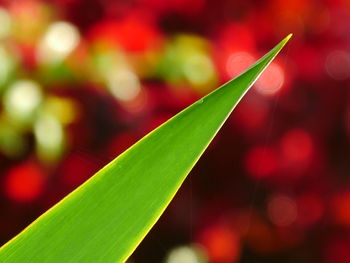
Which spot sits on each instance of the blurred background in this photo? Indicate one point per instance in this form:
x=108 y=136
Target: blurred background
x=82 y=80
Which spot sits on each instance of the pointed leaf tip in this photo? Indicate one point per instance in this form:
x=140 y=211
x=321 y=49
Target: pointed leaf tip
x=286 y=39
x=107 y=217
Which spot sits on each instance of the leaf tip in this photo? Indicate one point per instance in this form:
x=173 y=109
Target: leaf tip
x=286 y=39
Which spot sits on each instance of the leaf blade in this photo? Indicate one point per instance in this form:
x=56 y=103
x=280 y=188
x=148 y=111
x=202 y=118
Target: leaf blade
x=101 y=215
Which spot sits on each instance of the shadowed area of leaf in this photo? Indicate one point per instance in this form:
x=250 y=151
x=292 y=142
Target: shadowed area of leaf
x=107 y=217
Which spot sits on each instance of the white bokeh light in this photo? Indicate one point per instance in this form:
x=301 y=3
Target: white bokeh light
x=49 y=137
x=123 y=84
x=186 y=254
x=60 y=39
x=22 y=98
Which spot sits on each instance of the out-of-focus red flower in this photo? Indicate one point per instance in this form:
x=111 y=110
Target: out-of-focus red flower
x=133 y=34
x=235 y=49
x=261 y=161
x=221 y=243
x=24 y=182
x=297 y=146
x=235 y=37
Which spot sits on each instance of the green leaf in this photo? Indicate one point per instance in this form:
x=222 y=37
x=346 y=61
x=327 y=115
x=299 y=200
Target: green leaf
x=105 y=218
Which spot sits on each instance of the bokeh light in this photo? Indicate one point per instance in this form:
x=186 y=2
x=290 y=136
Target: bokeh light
x=199 y=69
x=221 y=243
x=338 y=65
x=49 y=137
x=238 y=62
x=261 y=161
x=282 y=210
x=22 y=99
x=124 y=84
x=65 y=110
x=271 y=80
x=297 y=146
x=58 y=42
x=25 y=182
x=186 y=254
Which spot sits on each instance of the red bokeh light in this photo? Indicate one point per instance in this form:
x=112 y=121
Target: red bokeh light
x=297 y=146
x=261 y=161
x=131 y=34
x=237 y=62
x=237 y=37
x=271 y=80
x=221 y=243
x=282 y=210
x=24 y=182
